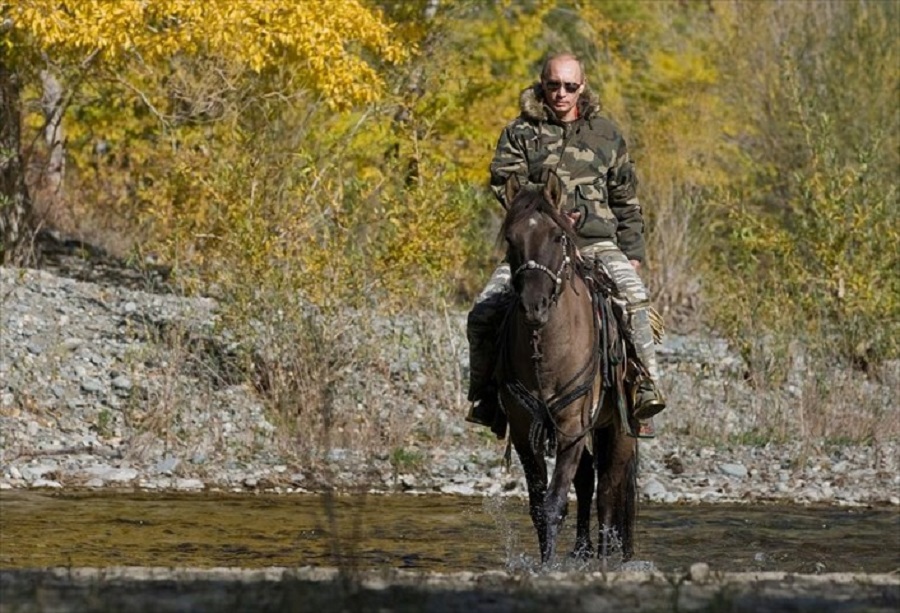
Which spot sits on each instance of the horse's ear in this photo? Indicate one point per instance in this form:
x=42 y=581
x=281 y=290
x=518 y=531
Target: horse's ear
x=554 y=191
x=512 y=188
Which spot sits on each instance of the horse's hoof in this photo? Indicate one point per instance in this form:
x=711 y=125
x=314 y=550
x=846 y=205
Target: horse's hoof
x=583 y=553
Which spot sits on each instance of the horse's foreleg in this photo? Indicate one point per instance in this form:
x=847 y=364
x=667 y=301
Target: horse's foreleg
x=535 y=469
x=568 y=456
x=617 y=493
x=584 y=491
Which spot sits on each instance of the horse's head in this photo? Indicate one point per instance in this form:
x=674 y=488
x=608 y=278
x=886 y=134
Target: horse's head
x=539 y=245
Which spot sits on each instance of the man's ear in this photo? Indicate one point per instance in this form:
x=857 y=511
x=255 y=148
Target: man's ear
x=512 y=188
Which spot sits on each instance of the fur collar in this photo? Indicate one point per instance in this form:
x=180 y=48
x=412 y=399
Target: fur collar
x=531 y=102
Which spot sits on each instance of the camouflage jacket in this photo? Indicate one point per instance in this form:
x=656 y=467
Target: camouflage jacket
x=589 y=155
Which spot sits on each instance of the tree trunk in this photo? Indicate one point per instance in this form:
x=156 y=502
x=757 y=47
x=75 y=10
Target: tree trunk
x=53 y=105
x=16 y=227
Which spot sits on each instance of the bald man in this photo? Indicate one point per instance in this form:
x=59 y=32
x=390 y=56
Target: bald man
x=560 y=129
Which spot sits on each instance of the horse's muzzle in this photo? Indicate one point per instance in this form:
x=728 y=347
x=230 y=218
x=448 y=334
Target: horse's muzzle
x=536 y=315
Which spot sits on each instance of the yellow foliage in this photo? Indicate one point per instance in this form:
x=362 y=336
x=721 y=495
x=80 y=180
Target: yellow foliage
x=470 y=88
x=326 y=39
x=815 y=234
x=233 y=149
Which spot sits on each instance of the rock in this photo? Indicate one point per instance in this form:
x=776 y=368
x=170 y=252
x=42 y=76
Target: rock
x=674 y=463
x=46 y=483
x=37 y=471
x=122 y=383
x=733 y=470
x=699 y=572
x=92 y=385
x=109 y=473
x=188 y=484
x=166 y=465
x=654 y=490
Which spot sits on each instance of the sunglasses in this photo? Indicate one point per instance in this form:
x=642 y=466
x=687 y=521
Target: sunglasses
x=552 y=86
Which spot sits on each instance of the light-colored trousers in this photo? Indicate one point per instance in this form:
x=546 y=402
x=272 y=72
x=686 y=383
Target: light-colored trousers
x=483 y=321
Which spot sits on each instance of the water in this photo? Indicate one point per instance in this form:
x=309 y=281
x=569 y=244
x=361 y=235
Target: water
x=437 y=533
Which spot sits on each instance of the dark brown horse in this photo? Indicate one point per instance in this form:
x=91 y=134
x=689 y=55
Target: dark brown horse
x=551 y=375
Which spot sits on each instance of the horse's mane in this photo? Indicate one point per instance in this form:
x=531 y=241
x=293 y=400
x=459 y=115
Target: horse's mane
x=531 y=200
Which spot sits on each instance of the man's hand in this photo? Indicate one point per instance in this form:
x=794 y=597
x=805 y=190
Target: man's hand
x=573 y=216
x=636 y=264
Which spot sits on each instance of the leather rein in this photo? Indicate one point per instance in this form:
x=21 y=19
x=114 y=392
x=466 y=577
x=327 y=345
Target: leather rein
x=543 y=410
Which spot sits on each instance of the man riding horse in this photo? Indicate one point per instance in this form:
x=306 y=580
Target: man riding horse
x=559 y=130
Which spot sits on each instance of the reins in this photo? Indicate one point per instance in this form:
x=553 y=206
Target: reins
x=544 y=409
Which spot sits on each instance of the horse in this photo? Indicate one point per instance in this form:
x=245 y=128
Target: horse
x=561 y=395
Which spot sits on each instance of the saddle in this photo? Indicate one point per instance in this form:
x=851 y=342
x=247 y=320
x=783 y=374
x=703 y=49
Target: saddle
x=615 y=359
x=613 y=352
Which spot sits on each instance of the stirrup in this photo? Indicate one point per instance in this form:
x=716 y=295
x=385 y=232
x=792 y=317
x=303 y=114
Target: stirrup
x=648 y=400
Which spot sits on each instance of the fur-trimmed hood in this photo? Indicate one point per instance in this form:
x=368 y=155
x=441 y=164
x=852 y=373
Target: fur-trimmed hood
x=531 y=103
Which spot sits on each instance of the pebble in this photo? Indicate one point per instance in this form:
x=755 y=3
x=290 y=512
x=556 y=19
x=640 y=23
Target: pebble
x=122 y=382
x=654 y=490
x=46 y=483
x=733 y=470
x=188 y=484
x=166 y=465
x=108 y=473
x=699 y=572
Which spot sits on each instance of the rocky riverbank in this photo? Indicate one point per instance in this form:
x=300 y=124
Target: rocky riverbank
x=101 y=386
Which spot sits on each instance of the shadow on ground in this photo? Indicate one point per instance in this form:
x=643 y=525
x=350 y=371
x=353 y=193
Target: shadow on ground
x=138 y=590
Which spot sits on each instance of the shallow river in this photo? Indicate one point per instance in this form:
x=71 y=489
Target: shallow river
x=438 y=533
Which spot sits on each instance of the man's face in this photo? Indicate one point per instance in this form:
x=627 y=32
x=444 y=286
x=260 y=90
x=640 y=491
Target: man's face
x=563 y=84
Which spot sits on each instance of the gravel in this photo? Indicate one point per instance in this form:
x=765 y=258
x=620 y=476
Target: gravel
x=107 y=386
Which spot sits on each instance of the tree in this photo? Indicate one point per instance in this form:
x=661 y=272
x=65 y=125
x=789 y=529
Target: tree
x=15 y=205
x=336 y=47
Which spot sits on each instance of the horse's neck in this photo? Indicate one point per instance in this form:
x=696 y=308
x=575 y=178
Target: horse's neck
x=569 y=331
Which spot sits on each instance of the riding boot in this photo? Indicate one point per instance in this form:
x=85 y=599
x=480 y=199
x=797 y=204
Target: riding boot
x=482 y=388
x=484 y=409
x=482 y=328
x=648 y=398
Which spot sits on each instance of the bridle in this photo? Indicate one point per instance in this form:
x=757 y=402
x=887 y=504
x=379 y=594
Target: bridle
x=579 y=385
x=557 y=276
